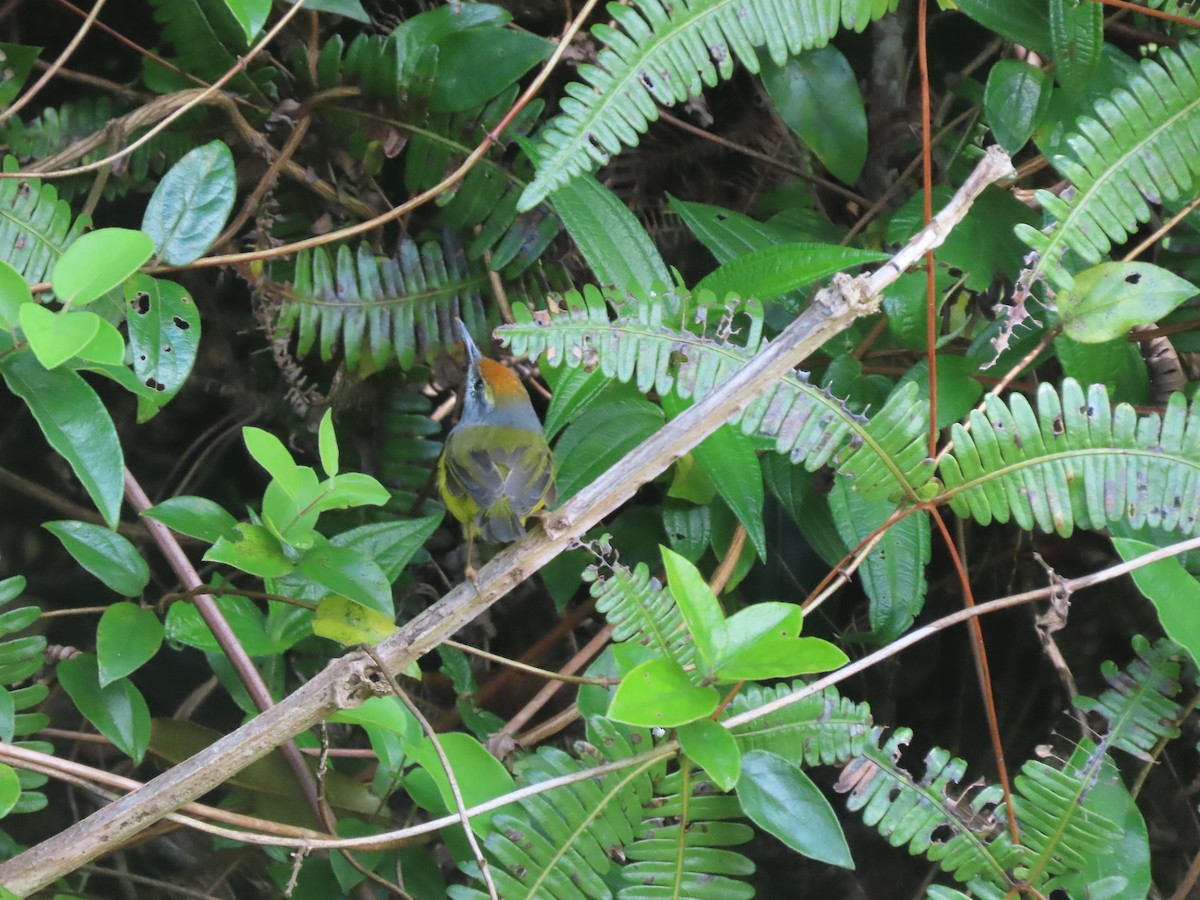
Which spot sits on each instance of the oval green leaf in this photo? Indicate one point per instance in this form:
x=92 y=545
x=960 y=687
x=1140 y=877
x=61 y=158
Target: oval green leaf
x=10 y=789
x=56 y=337
x=776 y=270
x=190 y=205
x=196 y=517
x=14 y=293
x=118 y=710
x=781 y=799
x=255 y=551
x=97 y=262
x=76 y=424
x=105 y=554
x=1111 y=298
x=1015 y=99
x=345 y=571
x=816 y=94
x=127 y=637
x=711 y=747
x=658 y=693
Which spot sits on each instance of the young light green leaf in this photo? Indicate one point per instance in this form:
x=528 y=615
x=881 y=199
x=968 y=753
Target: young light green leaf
x=164 y=334
x=255 y=550
x=127 y=637
x=345 y=571
x=76 y=424
x=106 y=347
x=348 y=490
x=190 y=205
x=327 y=445
x=1110 y=298
x=781 y=799
x=56 y=337
x=699 y=606
x=97 y=262
x=196 y=517
x=658 y=693
x=118 y=710
x=480 y=776
x=14 y=293
x=1015 y=99
x=10 y=790
x=104 y=553
x=780 y=656
x=270 y=453
x=711 y=747
x=816 y=94
x=1173 y=590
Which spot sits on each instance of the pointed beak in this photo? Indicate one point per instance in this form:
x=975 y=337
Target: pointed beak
x=473 y=354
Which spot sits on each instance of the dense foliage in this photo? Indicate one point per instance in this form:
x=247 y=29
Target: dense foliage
x=235 y=238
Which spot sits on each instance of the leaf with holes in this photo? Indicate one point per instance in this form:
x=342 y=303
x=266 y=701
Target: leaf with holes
x=164 y=334
x=1111 y=298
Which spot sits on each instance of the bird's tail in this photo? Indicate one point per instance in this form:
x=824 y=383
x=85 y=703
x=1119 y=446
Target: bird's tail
x=500 y=525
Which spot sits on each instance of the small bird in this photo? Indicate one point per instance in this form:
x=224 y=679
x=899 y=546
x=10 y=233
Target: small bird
x=496 y=469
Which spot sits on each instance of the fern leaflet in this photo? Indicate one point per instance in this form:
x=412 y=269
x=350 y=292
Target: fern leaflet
x=1077 y=463
x=35 y=225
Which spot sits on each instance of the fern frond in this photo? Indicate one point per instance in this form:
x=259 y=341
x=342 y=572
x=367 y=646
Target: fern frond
x=639 y=610
x=823 y=729
x=885 y=456
x=1138 y=705
x=1140 y=147
x=960 y=833
x=667 y=52
x=1077 y=463
x=376 y=309
x=19 y=659
x=35 y=225
x=57 y=128
x=576 y=836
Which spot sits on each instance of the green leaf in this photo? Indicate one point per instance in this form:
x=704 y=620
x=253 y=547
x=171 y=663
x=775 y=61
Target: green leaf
x=572 y=392
x=382 y=712
x=780 y=656
x=118 y=710
x=350 y=573
x=17 y=61
x=781 y=799
x=348 y=490
x=10 y=790
x=76 y=424
x=1077 y=36
x=463 y=82
x=714 y=749
x=327 y=445
x=164 y=335
x=390 y=544
x=14 y=293
x=957 y=389
x=729 y=459
x=291 y=515
x=1025 y=22
x=126 y=638
x=601 y=437
x=107 y=347
x=612 y=240
x=251 y=14
x=1015 y=99
x=56 y=337
x=728 y=234
x=349 y=623
x=1173 y=590
x=184 y=625
x=893 y=574
x=1117 y=364
x=1110 y=298
x=270 y=453
x=190 y=205
x=698 y=605
x=776 y=270
x=480 y=776
x=816 y=95
x=97 y=262
x=255 y=550
x=351 y=9
x=104 y=553
x=658 y=693
x=196 y=517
